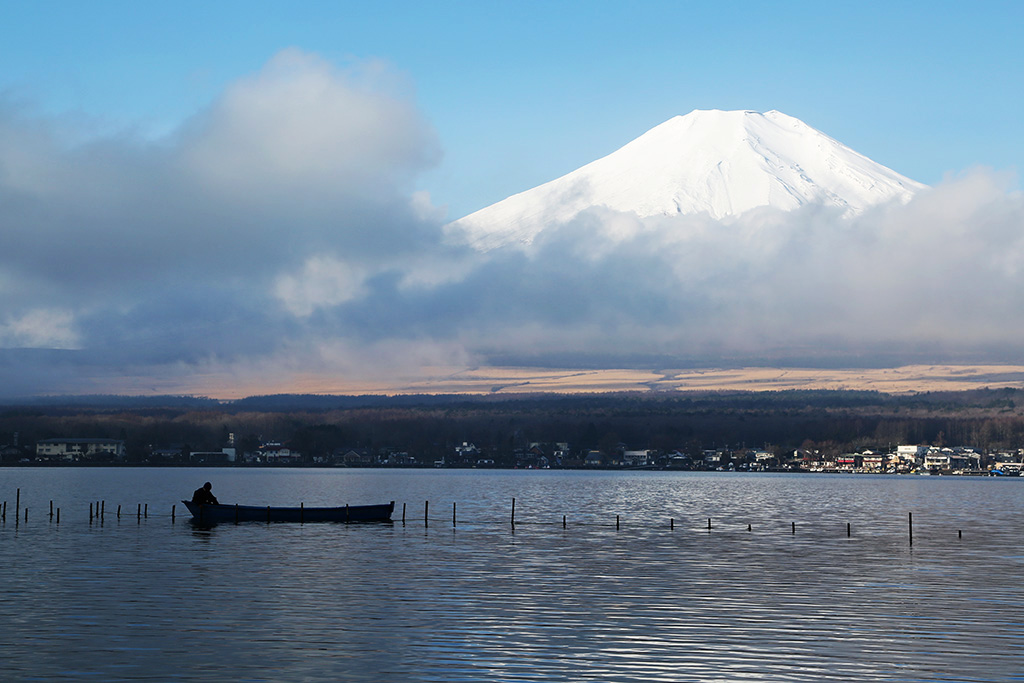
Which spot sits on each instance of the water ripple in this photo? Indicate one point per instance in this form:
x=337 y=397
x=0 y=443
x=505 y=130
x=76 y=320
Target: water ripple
x=151 y=600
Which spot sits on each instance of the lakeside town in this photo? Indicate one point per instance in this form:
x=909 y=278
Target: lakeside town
x=903 y=459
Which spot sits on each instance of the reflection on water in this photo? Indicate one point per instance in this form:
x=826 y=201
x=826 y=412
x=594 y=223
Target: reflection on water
x=149 y=599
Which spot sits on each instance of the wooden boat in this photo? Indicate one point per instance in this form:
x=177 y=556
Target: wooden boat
x=211 y=514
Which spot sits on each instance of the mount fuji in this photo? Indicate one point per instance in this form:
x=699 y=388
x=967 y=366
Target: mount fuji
x=721 y=163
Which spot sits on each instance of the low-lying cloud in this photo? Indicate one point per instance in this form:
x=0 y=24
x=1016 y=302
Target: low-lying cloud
x=276 y=235
x=939 y=275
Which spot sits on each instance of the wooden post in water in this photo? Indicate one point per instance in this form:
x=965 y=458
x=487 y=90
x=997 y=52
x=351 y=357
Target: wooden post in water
x=103 y=509
x=403 y=514
x=58 y=515
x=910 y=526
x=709 y=524
x=90 y=512
x=346 y=513
x=26 y=513
x=17 y=505
x=748 y=527
x=563 y=521
x=513 y=513
x=145 y=511
x=3 y=515
x=453 y=514
x=426 y=512
x=119 y=512
x=138 y=511
x=671 y=523
x=793 y=525
x=172 y=513
x=51 y=509
x=847 y=529
x=616 y=522
x=959 y=533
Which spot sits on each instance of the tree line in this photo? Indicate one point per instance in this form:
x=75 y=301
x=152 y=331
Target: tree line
x=430 y=426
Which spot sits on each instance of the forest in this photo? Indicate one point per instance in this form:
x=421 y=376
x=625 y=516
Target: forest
x=431 y=426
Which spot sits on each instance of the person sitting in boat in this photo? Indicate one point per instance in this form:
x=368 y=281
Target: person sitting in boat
x=204 y=495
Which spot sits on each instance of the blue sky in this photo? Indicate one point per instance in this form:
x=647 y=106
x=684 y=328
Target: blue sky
x=226 y=197
x=522 y=92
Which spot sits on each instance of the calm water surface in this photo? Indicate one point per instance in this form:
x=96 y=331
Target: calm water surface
x=151 y=599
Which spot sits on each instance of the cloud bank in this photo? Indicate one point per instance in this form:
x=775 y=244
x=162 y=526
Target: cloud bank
x=277 y=235
x=939 y=277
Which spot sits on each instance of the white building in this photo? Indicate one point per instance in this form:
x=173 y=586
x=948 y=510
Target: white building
x=275 y=452
x=911 y=452
x=73 y=449
x=636 y=458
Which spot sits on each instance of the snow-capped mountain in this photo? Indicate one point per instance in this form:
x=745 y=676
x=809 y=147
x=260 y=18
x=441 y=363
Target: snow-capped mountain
x=723 y=163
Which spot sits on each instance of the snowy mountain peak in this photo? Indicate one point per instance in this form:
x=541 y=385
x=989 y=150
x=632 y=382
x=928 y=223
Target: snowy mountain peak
x=722 y=163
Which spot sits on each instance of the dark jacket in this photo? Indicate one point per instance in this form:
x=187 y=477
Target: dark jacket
x=204 y=497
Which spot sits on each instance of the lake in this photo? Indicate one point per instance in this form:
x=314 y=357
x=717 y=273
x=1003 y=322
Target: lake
x=777 y=589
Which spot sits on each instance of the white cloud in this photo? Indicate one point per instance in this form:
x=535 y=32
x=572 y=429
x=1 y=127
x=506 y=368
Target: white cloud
x=292 y=188
x=302 y=125
x=323 y=282
x=40 y=329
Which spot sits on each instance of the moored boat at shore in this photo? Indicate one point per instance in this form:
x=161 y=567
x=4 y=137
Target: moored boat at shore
x=267 y=513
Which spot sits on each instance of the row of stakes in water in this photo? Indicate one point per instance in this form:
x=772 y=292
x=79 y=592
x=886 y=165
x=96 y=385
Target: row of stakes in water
x=98 y=510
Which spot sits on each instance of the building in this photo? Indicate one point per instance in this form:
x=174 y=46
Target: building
x=872 y=461
x=637 y=458
x=847 y=462
x=908 y=458
x=946 y=459
x=11 y=454
x=80 y=449
x=221 y=457
x=355 y=457
x=914 y=453
x=1007 y=467
x=275 y=452
x=712 y=457
x=173 y=453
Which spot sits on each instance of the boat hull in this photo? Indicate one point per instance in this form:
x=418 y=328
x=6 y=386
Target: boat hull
x=254 y=513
